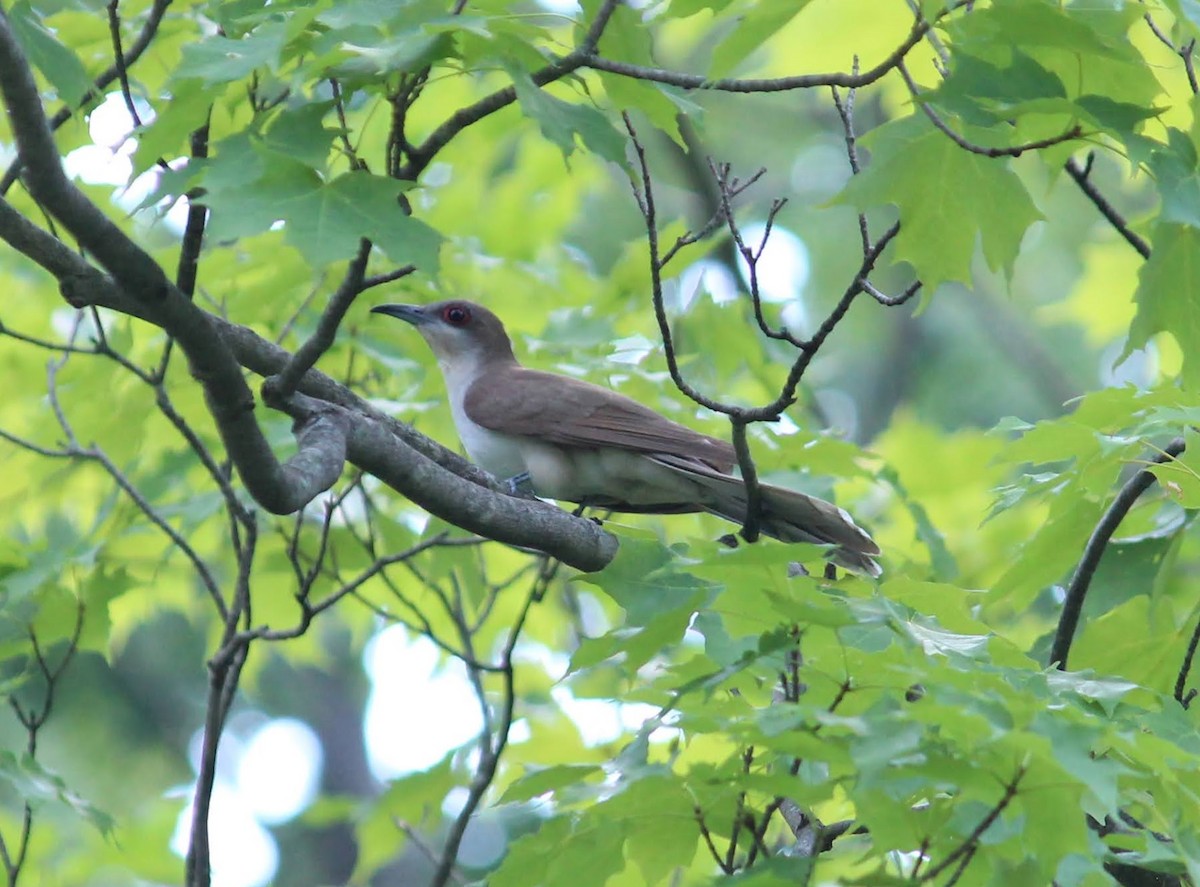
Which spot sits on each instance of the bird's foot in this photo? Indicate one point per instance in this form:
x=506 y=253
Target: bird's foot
x=581 y=508
x=520 y=484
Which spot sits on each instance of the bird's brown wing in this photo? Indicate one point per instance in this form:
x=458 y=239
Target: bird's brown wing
x=585 y=415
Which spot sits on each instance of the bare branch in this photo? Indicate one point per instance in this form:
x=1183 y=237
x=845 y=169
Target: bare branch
x=971 y=842
x=780 y=84
x=645 y=198
x=810 y=348
x=750 y=524
x=891 y=301
x=388 y=277
x=1183 y=695
x=1094 y=550
x=1186 y=52
x=490 y=750
x=1067 y=135
x=33 y=719
x=279 y=488
x=149 y=31
x=433 y=477
x=1081 y=175
x=119 y=61
x=193 y=231
x=708 y=841
x=57 y=347
x=419 y=156
x=321 y=340
x=845 y=111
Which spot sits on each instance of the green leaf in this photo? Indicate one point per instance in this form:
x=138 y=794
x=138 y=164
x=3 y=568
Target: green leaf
x=58 y=64
x=662 y=832
x=686 y=8
x=781 y=871
x=1120 y=118
x=415 y=799
x=1075 y=750
x=1127 y=568
x=561 y=122
x=1168 y=296
x=249 y=189
x=936 y=641
x=719 y=645
x=941 y=227
x=399 y=53
x=878 y=751
x=1136 y=640
x=1051 y=553
x=165 y=137
x=36 y=785
x=761 y=21
x=1188 y=11
x=219 y=59
x=583 y=855
x=1174 y=166
x=299 y=132
x=540 y=781
x=987 y=93
x=1181 y=476
x=60 y=547
x=1089 y=685
x=942 y=561
x=642 y=581
x=1094 y=39
x=328 y=224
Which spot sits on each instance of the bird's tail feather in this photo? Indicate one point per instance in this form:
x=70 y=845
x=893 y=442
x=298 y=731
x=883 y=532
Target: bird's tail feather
x=786 y=515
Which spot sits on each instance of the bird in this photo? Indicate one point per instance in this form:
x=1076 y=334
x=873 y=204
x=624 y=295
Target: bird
x=571 y=440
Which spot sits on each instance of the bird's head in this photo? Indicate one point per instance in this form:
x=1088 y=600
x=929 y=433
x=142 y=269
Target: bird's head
x=459 y=332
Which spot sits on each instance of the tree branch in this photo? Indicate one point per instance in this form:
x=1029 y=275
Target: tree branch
x=436 y=479
x=1094 y=550
x=149 y=30
x=323 y=336
x=280 y=489
x=779 y=84
x=942 y=126
x=1183 y=695
x=1081 y=175
x=419 y=156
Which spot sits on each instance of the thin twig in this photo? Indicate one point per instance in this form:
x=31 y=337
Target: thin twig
x=387 y=277
x=490 y=751
x=33 y=719
x=845 y=111
x=1185 y=52
x=1182 y=695
x=1081 y=175
x=753 y=518
x=1072 y=132
x=1094 y=550
x=780 y=84
x=708 y=840
x=420 y=156
x=114 y=31
x=149 y=31
x=967 y=847
x=323 y=336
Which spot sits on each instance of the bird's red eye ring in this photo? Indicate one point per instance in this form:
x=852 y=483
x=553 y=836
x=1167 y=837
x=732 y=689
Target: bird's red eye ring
x=456 y=315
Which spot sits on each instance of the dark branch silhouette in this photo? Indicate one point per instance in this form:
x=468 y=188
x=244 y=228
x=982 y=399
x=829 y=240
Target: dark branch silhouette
x=1094 y=550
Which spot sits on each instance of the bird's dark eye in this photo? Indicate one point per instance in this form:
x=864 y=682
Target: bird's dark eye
x=456 y=315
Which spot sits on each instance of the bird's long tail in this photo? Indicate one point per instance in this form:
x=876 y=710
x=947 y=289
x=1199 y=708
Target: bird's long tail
x=787 y=515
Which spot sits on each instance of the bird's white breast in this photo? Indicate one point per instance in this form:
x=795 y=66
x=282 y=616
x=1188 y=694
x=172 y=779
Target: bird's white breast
x=496 y=453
